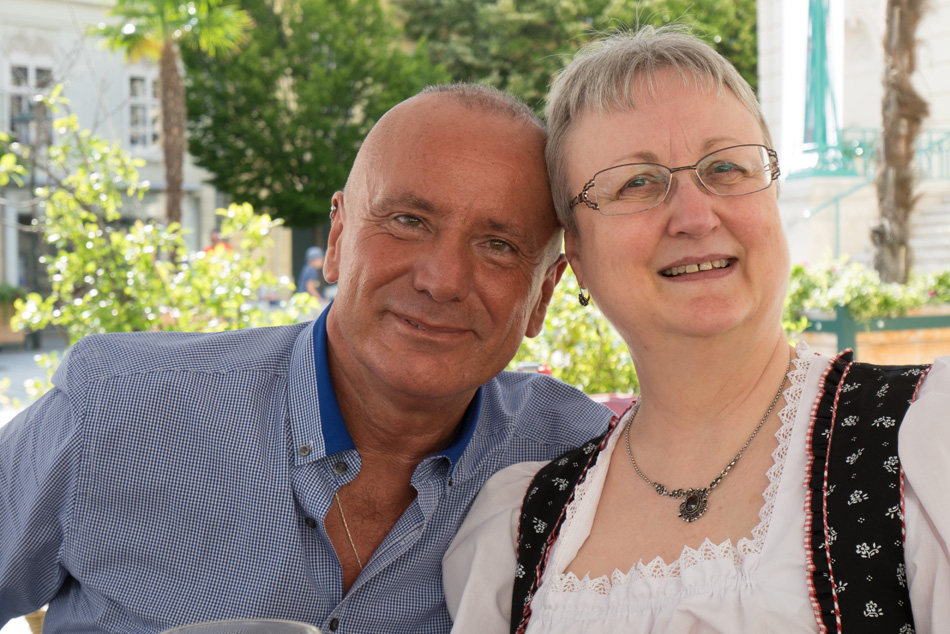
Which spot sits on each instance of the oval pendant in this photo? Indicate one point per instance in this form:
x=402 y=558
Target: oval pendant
x=694 y=504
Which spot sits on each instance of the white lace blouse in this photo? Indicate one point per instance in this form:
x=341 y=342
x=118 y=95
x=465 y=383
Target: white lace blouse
x=756 y=585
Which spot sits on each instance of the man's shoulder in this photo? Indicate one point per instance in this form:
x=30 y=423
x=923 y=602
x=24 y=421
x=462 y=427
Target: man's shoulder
x=115 y=354
x=542 y=407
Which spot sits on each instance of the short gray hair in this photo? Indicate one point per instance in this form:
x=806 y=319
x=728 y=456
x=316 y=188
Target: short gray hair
x=600 y=79
x=486 y=99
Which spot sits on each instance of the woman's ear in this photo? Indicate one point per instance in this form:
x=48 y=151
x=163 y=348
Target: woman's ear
x=571 y=251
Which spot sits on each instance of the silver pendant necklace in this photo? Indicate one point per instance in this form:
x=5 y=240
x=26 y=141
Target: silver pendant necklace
x=695 y=501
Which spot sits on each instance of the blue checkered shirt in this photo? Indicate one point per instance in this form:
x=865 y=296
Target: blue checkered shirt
x=161 y=483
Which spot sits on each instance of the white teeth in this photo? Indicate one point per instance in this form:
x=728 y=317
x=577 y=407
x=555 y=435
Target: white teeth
x=415 y=324
x=695 y=268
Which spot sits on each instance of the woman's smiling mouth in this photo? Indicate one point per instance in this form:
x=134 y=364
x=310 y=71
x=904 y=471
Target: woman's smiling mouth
x=686 y=269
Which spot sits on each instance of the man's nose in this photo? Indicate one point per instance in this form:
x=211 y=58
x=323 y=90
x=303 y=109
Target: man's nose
x=444 y=270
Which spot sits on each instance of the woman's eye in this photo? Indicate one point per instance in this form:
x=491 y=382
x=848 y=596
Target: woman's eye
x=723 y=168
x=640 y=181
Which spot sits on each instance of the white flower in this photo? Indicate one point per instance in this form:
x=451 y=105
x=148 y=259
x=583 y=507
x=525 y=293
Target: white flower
x=892 y=464
x=857 y=497
x=539 y=525
x=866 y=551
x=886 y=421
x=871 y=610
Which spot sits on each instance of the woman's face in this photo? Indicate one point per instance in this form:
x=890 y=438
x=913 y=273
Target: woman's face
x=733 y=248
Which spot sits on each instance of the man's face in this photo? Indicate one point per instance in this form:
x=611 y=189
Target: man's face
x=442 y=250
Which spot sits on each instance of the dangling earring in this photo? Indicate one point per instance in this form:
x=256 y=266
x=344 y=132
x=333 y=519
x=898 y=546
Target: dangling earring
x=583 y=299
x=332 y=212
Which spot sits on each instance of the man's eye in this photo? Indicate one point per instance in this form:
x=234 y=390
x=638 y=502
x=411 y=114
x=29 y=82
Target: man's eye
x=409 y=221
x=499 y=245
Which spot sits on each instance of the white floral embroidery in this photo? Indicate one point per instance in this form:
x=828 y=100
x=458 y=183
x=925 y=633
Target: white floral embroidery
x=894 y=511
x=892 y=464
x=519 y=571
x=901 y=575
x=854 y=457
x=560 y=483
x=562 y=462
x=832 y=536
x=539 y=525
x=866 y=551
x=907 y=628
x=841 y=587
x=871 y=610
x=850 y=421
x=857 y=497
x=881 y=392
x=850 y=387
x=886 y=421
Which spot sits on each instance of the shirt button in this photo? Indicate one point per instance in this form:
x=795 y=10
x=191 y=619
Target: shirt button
x=340 y=467
x=334 y=624
x=304 y=450
x=312 y=523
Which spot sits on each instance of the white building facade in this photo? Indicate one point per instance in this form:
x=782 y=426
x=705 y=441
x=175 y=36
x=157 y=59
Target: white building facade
x=44 y=43
x=829 y=210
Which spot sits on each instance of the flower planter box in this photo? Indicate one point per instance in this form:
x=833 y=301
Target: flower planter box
x=920 y=337
x=8 y=336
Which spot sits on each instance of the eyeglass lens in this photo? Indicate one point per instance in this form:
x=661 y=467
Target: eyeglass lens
x=733 y=171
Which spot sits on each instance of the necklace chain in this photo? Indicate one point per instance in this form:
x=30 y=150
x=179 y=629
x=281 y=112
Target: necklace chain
x=695 y=500
x=347 y=529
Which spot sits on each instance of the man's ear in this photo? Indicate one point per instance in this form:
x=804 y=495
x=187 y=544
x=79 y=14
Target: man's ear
x=331 y=260
x=551 y=277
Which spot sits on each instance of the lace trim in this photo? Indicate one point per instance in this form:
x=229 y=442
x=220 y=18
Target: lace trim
x=707 y=551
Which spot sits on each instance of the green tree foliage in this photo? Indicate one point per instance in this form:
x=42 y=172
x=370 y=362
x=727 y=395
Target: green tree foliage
x=106 y=278
x=279 y=124
x=518 y=45
x=579 y=345
x=153 y=29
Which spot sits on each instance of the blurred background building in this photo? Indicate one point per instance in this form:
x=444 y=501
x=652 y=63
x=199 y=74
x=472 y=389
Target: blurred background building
x=821 y=68
x=44 y=43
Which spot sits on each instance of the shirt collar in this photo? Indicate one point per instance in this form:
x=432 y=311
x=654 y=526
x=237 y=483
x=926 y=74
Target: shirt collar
x=336 y=436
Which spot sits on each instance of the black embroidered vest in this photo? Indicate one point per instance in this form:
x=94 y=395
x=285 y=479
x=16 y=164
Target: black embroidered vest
x=855 y=499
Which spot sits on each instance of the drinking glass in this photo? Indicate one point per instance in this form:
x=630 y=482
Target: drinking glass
x=245 y=626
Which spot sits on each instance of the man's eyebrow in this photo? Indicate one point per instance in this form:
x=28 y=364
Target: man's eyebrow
x=510 y=230
x=405 y=201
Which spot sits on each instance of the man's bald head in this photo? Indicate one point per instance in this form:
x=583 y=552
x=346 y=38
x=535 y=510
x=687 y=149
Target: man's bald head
x=475 y=97
x=445 y=246
x=388 y=138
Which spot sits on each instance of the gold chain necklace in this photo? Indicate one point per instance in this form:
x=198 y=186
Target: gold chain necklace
x=695 y=501
x=347 y=529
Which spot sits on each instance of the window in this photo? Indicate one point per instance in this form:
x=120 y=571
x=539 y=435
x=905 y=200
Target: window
x=29 y=121
x=143 y=112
